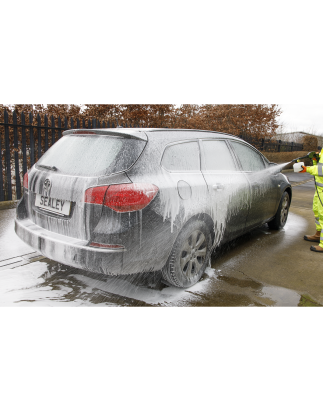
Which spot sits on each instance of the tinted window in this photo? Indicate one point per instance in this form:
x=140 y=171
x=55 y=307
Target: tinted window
x=92 y=155
x=216 y=156
x=250 y=160
x=182 y=157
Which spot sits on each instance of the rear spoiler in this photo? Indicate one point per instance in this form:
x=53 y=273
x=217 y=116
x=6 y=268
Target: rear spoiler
x=114 y=132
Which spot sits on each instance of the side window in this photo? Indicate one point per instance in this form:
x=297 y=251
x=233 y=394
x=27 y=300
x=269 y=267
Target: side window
x=250 y=160
x=216 y=156
x=182 y=157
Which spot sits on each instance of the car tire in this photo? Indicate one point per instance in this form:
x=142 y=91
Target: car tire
x=280 y=218
x=189 y=256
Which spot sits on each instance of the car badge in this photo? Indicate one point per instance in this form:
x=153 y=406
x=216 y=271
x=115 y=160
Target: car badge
x=46 y=188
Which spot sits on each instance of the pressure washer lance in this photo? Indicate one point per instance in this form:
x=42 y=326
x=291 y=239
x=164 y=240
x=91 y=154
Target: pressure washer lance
x=298 y=167
x=310 y=155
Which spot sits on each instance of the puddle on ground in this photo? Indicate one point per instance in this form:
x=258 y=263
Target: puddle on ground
x=47 y=283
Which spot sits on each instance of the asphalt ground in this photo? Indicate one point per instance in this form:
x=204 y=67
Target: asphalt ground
x=262 y=268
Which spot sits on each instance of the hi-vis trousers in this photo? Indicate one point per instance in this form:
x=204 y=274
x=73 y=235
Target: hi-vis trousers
x=318 y=213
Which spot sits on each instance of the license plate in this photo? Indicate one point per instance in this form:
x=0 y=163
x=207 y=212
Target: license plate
x=53 y=204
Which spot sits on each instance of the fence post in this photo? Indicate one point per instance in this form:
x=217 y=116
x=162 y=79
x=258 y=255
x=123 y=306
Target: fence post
x=52 y=120
x=15 y=142
x=24 y=146
x=262 y=144
x=31 y=137
x=72 y=123
x=77 y=123
x=65 y=123
x=39 y=135
x=59 y=124
x=8 y=165
x=279 y=144
x=46 y=133
x=1 y=176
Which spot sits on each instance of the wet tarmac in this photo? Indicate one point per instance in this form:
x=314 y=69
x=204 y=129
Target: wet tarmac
x=262 y=268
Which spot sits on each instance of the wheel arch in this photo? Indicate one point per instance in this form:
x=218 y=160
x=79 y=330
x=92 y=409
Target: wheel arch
x=202 y=217
x=289 y=191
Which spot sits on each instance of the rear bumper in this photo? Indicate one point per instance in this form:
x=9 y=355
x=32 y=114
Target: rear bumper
x=147 y=237
x=70 y=251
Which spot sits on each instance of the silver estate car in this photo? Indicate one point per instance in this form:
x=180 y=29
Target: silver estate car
x=125 y=201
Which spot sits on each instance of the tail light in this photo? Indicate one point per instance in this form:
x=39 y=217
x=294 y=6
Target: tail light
x=130 y=197
x=122 y=197
x=26 y=181
x=95 y=195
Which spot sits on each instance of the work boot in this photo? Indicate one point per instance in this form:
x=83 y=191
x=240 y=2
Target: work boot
x=318 y=249
x=314 y=238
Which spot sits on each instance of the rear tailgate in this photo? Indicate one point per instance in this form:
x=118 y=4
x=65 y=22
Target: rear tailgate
x=58 y=181
x=81 y=218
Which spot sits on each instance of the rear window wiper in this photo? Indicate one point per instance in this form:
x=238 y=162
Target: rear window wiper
x=53 y=168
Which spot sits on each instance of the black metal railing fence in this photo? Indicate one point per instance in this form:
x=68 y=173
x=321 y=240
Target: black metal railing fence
x=23 y=142
x=273 y=146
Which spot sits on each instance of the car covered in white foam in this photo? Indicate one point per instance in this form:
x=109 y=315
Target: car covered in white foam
x=125 y=200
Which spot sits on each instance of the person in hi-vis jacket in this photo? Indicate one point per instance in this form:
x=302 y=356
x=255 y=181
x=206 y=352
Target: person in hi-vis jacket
x=317 y=171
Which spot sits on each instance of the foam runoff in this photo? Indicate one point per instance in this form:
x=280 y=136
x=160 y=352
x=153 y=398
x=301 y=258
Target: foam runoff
x=38 y=287
x=234 y=197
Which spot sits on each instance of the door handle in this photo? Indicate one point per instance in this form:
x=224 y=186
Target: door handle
x=218 y=187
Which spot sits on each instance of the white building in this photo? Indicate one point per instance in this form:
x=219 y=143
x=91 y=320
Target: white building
x=298 y=137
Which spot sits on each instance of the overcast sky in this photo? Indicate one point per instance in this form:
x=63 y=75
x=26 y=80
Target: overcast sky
x=302 y=117
x=167 y=22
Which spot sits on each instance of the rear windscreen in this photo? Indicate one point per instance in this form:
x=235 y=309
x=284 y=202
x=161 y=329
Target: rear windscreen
x=92 y=155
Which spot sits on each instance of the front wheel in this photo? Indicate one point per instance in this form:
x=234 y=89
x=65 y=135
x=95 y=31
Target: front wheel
x=282 y=213
x=189 y=256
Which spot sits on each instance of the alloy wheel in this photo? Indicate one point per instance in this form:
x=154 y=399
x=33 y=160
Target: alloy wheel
x=193 y=254
x=284 y=210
